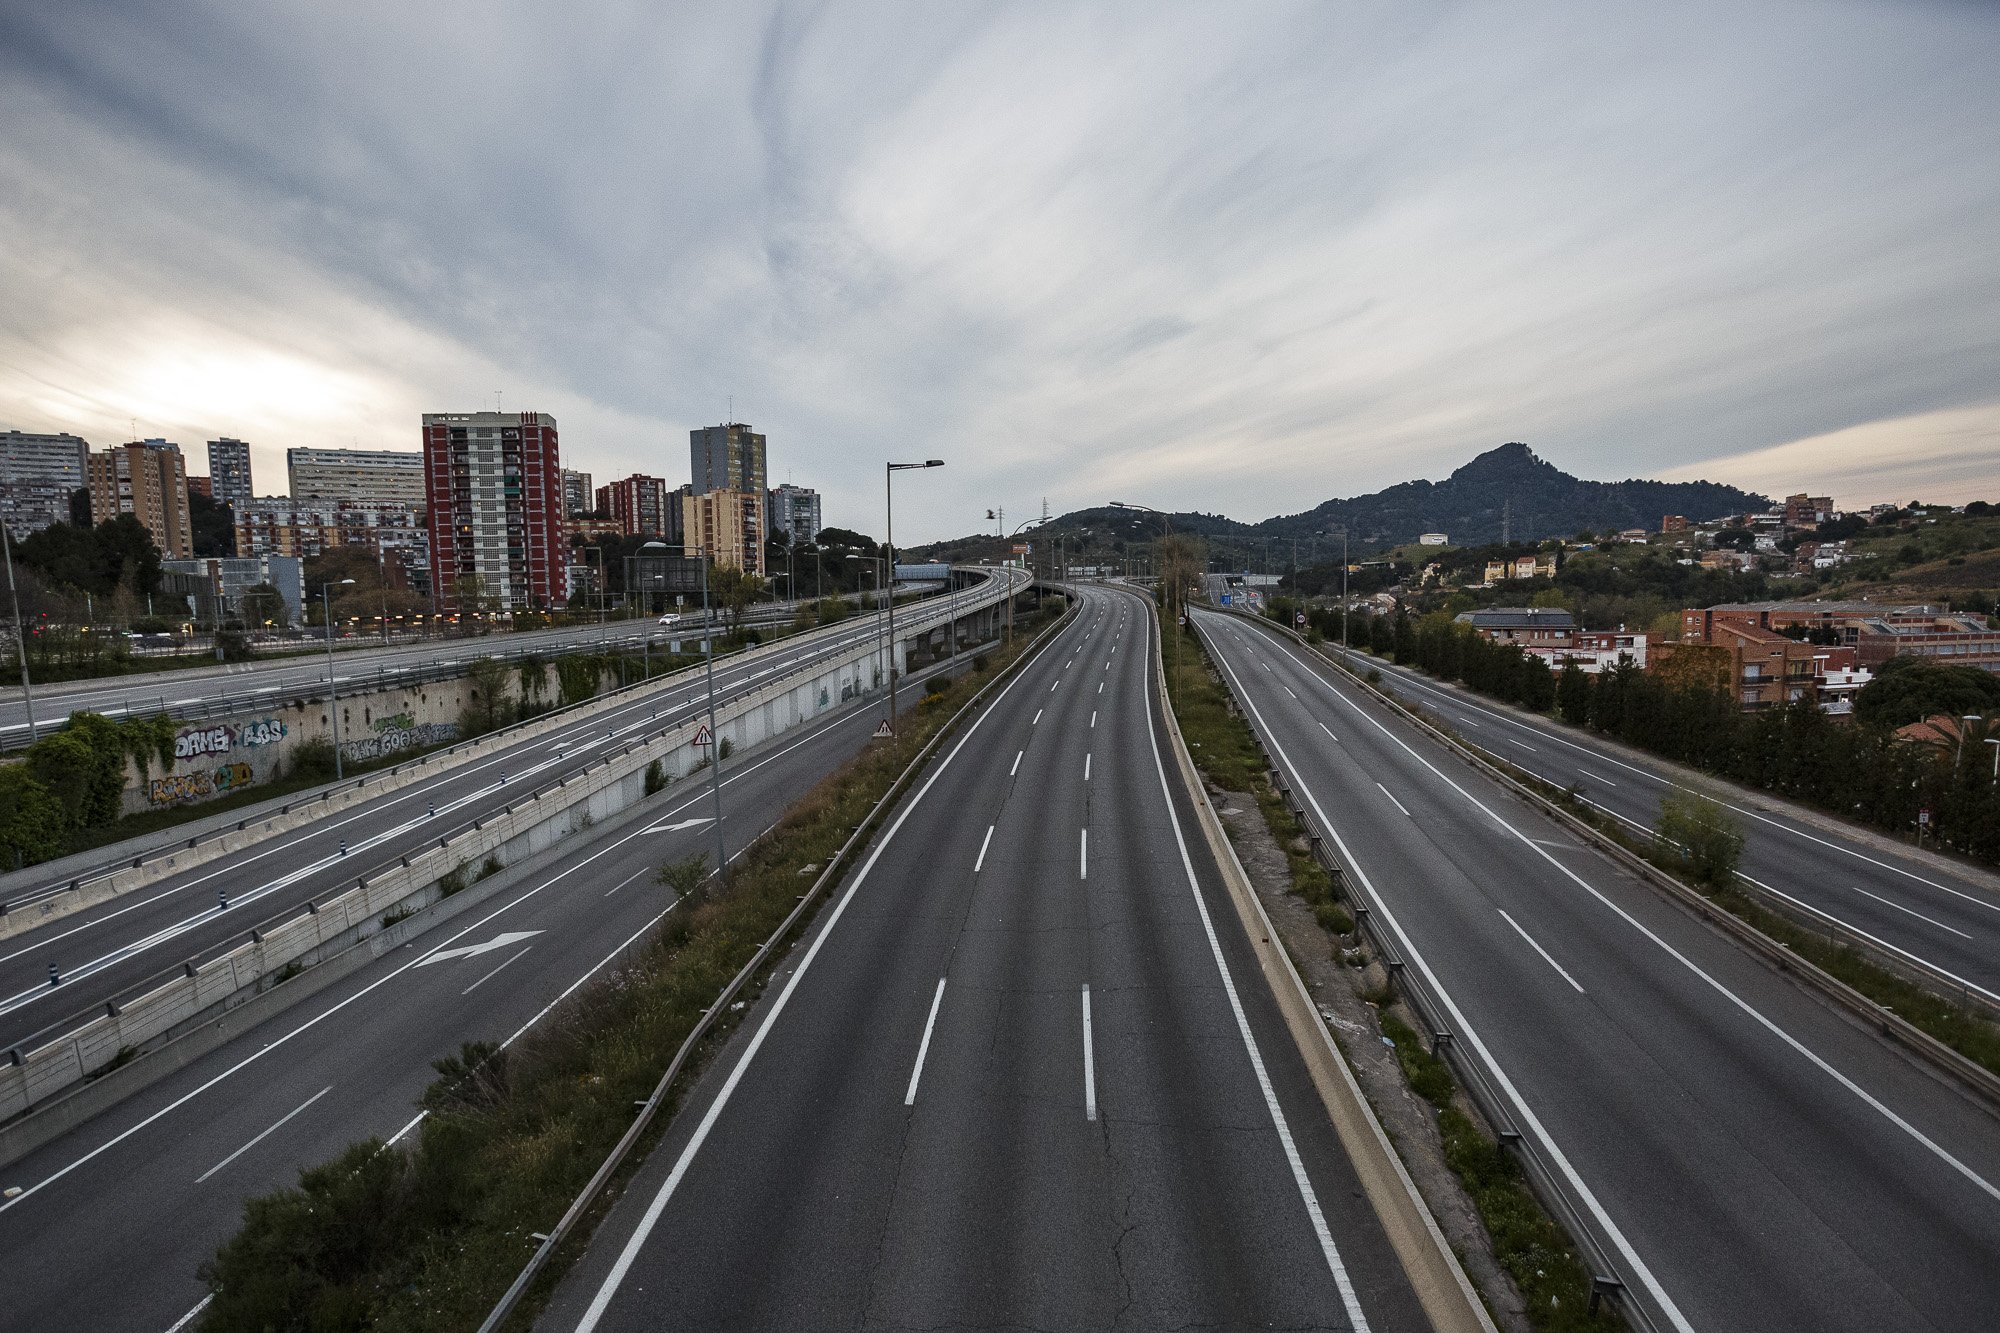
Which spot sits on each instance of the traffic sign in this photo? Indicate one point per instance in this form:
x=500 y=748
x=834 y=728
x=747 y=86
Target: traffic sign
x=883 y=731
x=1300 y=618
x=700 y=735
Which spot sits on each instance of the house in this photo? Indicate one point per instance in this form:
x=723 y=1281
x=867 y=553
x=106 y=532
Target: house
x=1593 y=651
x=1433 y=539
x=1520 y=567
x=1636 y=536
x=1523 y=625
x=1841 y=677
x=1808 y=511
x=1674 y=523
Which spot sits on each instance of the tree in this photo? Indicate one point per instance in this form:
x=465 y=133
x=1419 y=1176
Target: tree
x=1910 y=689
x=213 y=524
x=1698 y=836
x=1573 y=694
x=262 y=602
x=733 y=590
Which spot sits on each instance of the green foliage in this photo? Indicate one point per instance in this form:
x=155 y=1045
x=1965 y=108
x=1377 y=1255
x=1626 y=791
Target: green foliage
x=656 y=778
x=213 y=525
x=312 y=760
x=487 y=707
x=1910 y=689
x=97 y=560
x=1698 y=837
x=31 y=822
x=577 y=677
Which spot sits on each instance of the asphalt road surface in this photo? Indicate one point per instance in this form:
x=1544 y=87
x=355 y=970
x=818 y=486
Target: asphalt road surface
x=1023 y=1074
x=1946 y=918
x=115 y=1216
x=1752 y=1159
x=126 y=945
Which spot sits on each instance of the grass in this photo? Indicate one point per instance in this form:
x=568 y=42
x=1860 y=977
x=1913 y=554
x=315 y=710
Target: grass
x=429 y=1237
x=1529 y=1244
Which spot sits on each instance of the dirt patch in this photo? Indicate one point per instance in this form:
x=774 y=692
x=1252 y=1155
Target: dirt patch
x=1347 y=984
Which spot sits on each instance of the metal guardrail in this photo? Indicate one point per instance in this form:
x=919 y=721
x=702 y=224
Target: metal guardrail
x=1543 y=1178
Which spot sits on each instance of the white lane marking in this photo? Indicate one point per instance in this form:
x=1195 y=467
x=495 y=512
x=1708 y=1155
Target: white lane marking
x=1540 y=950
x=496 y=971
x=1089 y=1064
x=185 y=1320
x=1876 y=940
x=1052 y=688
x=1289 y=690
x=983 y=842
x=616 y=1277
x=1529 y=748
x=1464 y=1029
x=1093 y=719
x=1037 y=717
x=1890 y=902
x=1017 y=763
x=696 y=822
x=627 y=880
x=1596 y=778
x=281 y=1123
x=1086 y=765
x=1356 y=1319
x=500 y=941
x=1869 y=1099
x=923 y=1047
x=1329 y=732
x=408 y=1125
x=1083 y=854
x=1100 y=687
x=1392 y=798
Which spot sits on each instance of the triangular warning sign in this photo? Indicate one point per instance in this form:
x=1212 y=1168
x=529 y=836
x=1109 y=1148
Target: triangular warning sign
x=883 y=731
x=700 y=735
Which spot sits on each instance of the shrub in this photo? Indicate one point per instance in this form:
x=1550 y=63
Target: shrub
x=656 y=778
x=1697 y=836
x=313 y=759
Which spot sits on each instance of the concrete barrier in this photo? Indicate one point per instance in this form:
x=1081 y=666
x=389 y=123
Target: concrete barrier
x=29 y=1079
x=20 y=917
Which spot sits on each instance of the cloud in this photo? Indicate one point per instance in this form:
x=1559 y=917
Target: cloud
x=1948 y=457
x=1236 y=259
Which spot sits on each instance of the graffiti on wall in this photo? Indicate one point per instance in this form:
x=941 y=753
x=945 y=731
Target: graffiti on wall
x=178 y=787
x=226 y=737
x=398 y=733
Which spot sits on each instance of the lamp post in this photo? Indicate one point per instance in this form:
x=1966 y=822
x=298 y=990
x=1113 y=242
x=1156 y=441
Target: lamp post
x=1995 y=742
x=874 y=563
x=714 y=736
x=1343 y=593
x=1000 y=515
x=889 y=491
x=332 y=685
x=1167 y=525
x=20 y=634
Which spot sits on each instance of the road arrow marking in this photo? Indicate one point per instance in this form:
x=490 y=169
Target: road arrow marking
x=684 y=824
x=499 y=941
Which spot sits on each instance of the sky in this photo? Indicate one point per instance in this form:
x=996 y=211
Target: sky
x=1231 y=257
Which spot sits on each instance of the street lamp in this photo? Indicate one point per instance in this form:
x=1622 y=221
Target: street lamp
x=714 y=734
x=1167 y=524
x=20 y=634
x=1343 y=593
x=332 y=685
x=889 y=490
x=1000 y=516
x=1995 y=741
x=874 y=563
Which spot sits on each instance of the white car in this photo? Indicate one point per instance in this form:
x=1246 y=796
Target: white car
x=670 y=618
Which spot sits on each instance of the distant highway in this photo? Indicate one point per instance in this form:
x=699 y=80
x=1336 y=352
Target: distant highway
x=1748 y=1156
x=207 y=690
x=1024 y=1073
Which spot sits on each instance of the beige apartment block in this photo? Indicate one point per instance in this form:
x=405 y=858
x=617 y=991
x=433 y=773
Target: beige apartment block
x=147 y=480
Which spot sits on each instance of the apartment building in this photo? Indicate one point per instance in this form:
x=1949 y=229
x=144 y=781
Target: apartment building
x=229 y=472
x=358 y=476
x=1524 y=625
x=38 y=474
x=728 y=457
x=638 y=504
x=578 y=493
x=727 y=526
x=493 y=486
x=794 y=510
x=148 y=480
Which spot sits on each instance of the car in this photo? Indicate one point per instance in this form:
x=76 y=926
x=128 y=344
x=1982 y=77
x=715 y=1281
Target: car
x=670 y=618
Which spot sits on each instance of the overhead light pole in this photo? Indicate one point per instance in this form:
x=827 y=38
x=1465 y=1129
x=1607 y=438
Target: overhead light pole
x=889 y=493
x=332 y=685
x=1343 y=593
x=1167 y=530
x=20 y=635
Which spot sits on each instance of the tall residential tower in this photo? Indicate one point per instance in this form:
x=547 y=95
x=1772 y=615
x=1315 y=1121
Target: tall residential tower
x=493 y=482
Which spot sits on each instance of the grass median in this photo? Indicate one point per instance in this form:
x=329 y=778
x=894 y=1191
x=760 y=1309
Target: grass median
x=428 y=1234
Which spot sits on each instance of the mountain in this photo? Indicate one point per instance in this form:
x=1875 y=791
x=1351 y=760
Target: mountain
x=1508 y=486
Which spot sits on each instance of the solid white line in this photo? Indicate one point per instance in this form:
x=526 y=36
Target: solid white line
x=1392 y=797
x=923 y=1047
x=495 y=972
x=282 y=1121
x=1083 y=855
x=982 y=849
x=1540 y=950
x=191 y=1315
x=1089 y=1064
x=1887 y=902
x=408 y=1125
x=1741 y=1004
x=1465 y=1030
x=1876 y=940
x=1355 y=1318
x=616 y=1277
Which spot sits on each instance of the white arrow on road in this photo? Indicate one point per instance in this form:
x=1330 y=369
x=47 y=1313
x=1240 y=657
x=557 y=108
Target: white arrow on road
x=685 y=823
x=499 y=941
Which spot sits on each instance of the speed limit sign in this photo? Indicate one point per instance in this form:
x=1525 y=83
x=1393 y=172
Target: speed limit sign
x=1300 y=618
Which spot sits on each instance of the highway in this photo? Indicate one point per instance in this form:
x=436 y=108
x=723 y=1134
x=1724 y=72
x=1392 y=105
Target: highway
x=1750 y=1158
x=1023 y=1073
x=1922 y=908
x=147 y=1190
x=205 y=691
x=123 y=946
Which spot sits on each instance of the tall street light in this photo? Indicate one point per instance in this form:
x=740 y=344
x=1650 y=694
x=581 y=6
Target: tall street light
x=714 y=734
x=889 y=490
x=1000 y=516
x=20 y=634
x=332 y=685
x=1167 y=523
x=874 y=563
x=1343 y=593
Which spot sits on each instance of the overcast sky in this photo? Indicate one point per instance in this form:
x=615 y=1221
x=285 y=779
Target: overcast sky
x=1236 y=257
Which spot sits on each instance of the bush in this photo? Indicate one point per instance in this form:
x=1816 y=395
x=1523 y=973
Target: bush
x=1698 y=837
x=313 y=760
x=656 y=778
